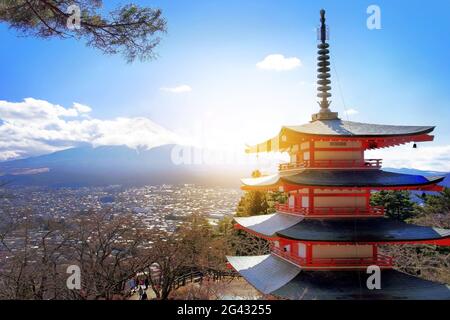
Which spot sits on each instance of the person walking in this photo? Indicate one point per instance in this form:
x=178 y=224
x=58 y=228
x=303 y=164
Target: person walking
x=132 y=286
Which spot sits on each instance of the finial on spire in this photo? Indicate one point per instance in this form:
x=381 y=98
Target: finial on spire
x=323 y=74
x=323 y=27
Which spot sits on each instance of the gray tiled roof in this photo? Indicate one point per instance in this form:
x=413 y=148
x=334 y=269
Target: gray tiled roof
x=344 y=178
x=266 y=273
x=361 y=230
x=268 y=224
x=351 y=285
x=272 y=275
x=349 y=128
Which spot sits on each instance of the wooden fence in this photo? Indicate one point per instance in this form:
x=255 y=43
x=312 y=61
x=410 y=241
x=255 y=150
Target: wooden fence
x=195 y=276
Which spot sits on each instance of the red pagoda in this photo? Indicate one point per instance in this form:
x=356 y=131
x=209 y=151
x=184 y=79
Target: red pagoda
x=327 y=234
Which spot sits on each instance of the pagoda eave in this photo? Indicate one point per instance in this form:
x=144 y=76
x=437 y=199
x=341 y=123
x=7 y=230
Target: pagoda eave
x=274 y=237
x=342 y=231
x=291 y=187
x=272 y=275
x=267 y=225
x=271 y=237
x=395 y=285
x=364 y=230
x=329 y=179
x=373 y=136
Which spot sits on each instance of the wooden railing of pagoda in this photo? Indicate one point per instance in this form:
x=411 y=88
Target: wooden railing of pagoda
x=379 y=260
x=330 y=211
x=357 y=163
x=198 y=276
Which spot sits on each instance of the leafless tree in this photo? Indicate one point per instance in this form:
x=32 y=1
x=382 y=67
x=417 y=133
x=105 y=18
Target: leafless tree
x=109 y=249
x=427 y=261
x=32 y=253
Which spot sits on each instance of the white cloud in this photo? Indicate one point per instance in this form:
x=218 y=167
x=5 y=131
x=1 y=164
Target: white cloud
x=6 y=154
x=429 y=158
x=81 y=108
x=33 y=127
x=178 y=89
x=350 y=112
x=279 y=62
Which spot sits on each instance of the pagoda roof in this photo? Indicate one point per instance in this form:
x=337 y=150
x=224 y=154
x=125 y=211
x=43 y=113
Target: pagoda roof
x=266 y=273
x=333 y=285
x=272 y=275
x=340 y=178
x=338 y=127
x=340 y=229
x=361 y=230
x=268 y=225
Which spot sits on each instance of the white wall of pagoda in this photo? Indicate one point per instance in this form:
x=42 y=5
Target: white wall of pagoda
x=327 y=150
x=338 y=198
x=342 y=251
x=329 y=255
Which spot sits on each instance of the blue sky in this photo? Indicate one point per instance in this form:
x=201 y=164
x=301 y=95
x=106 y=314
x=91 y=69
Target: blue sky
x=396 y=75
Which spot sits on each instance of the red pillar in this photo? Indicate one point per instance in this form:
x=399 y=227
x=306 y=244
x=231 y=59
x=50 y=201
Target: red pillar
x=375 y=251
x=367 y=200
x=311 y=153
x=310 y=200
x=309 y=252
x=294 y=248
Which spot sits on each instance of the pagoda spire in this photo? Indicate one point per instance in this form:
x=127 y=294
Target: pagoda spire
x=323 y=76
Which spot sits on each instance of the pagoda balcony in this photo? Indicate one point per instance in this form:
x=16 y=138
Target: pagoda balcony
x=357 y=163
x=379 y=260
x=372 y=211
